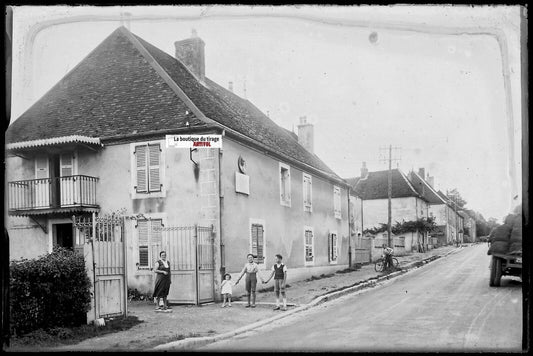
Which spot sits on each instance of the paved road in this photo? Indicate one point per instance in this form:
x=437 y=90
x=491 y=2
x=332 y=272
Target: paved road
x=444 y=306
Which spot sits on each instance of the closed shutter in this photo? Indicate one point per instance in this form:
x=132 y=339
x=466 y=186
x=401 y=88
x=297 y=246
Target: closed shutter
x=153 y=169
x=142 y=230
x=141 y=162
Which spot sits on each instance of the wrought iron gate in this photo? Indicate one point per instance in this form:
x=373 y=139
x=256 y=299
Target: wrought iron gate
x=191 y=256
x=102 y=240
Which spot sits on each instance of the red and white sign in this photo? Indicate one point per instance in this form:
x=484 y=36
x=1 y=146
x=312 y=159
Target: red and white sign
x=194 y=141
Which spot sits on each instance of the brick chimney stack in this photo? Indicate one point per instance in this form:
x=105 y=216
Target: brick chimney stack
x=306 y=134
x=191 y=53
x=422 y=173
x=364 y=171
x=230 y=86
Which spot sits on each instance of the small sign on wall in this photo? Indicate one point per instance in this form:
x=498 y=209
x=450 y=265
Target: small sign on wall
x=242 y=183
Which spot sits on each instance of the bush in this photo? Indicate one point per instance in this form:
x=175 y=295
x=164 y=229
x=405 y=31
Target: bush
x=48 y=292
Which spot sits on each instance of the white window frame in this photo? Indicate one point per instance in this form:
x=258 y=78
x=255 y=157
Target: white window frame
x=309 y=206
x=285 y=201
x=154 y=216
x=309 y=263
x=162 y=167
x=261 y=222
x=330 y=247
x=337 y=212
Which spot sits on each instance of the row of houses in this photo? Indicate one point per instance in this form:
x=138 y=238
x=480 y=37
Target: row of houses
x=88 y=164
x=413 y=198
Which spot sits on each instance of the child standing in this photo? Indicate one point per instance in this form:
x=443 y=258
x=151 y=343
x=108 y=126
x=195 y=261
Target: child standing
x=279 y=271
x=226 y=289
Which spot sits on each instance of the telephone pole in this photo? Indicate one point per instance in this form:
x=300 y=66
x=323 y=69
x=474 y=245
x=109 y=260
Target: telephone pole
x=389 y=159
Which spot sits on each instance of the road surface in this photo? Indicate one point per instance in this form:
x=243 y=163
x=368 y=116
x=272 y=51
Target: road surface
x=444 y=306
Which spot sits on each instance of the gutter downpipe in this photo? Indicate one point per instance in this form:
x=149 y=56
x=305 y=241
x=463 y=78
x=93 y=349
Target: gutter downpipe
x=349 y=231
x=220 y=208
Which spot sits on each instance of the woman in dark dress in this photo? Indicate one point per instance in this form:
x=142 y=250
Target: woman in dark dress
x=162 y=281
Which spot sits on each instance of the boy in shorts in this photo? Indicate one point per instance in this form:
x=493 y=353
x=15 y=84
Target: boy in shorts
x=279 y=272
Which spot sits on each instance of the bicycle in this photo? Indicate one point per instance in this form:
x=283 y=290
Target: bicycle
x=379 y=266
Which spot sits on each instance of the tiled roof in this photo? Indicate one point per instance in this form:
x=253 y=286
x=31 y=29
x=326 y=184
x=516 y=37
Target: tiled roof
x=375 y=186
x=116 y=90
x=424 y=189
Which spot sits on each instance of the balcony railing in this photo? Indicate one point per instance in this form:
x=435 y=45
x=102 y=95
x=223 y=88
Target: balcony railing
x=58 y=192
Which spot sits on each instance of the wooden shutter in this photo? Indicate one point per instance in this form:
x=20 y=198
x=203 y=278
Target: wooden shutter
x=257 y=242
x=334 y=247
x=309 y=246
x=330 y=248
x=156 y=238
x=66 y=163
x=142 y=231
x=141 y=162
x=154 y=178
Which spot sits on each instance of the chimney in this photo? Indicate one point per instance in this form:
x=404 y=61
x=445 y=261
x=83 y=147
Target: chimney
x=431 y=181
x=422 y=173
x=191 y=53
x=125 y=19
x=364 y=171
x=306 y=134
x=230 y=86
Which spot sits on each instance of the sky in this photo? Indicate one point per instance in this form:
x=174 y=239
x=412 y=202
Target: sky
x=426 y=79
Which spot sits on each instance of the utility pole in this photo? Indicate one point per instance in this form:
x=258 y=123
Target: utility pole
x=389 y=159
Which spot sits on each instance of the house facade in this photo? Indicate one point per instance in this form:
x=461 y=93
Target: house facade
x=406 y=205
x=96 y=144
x=470 y=233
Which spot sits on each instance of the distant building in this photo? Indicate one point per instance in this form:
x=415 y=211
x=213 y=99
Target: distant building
x=406 y=204
x=470 y=233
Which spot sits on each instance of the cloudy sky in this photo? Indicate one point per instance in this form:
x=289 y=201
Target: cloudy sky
x=427 y=79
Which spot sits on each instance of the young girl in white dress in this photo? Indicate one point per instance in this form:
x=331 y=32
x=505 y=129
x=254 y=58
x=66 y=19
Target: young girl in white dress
x=226 y=288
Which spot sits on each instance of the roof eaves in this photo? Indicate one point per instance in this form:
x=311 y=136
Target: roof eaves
x=245 y=139
x=53 y=141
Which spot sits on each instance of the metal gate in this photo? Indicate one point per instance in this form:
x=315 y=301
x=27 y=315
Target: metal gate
x=190 y=251
x=102 y=240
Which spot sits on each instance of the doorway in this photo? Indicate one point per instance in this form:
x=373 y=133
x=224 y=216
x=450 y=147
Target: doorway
x=63 y=235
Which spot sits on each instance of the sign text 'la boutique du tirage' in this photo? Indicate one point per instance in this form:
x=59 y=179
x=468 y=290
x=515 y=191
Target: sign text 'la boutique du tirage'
x=193 y=141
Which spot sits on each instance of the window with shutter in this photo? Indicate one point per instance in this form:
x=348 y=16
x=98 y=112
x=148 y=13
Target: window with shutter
x=337 y=202
x=333 y=247
x=148 y=168
x=309 y=246
x=285 y=184
x=150 y=241
x=307 y=192
x=141 y=162
x=144 y=240
x=67 y=164
x=258 y=242
x=153 y=168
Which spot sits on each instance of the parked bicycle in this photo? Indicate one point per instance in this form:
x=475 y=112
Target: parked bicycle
x=379 y=266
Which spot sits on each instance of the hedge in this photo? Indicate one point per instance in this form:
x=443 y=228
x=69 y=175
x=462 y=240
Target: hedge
x=50 y=291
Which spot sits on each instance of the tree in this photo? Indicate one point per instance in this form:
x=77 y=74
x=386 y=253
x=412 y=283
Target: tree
x=456 y=197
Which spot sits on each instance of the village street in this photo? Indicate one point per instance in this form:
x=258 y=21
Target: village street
x=445 y=306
